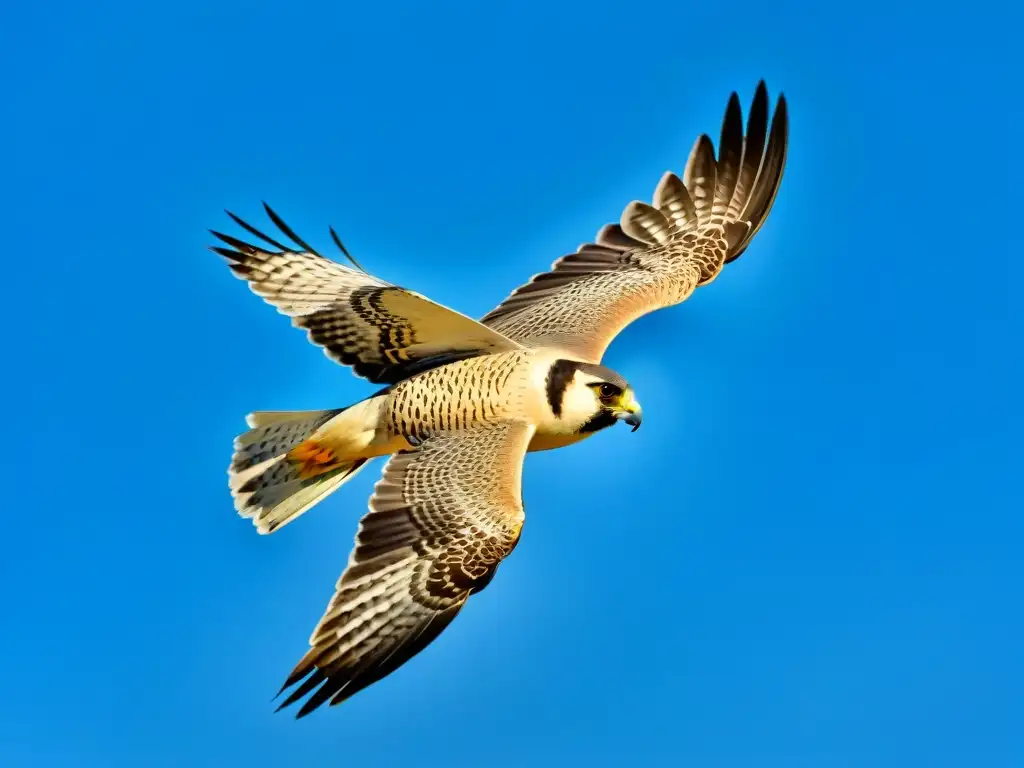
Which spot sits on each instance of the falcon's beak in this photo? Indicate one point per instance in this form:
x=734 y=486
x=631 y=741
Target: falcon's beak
x=629 y=411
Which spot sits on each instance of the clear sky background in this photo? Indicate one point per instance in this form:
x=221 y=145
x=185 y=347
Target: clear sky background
x=808 y=556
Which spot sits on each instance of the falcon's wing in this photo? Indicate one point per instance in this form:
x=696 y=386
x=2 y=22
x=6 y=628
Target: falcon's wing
x=441 y=519
x=658 y=254
x=384 y=332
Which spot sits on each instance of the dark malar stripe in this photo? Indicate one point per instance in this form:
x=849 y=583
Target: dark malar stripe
x=600 y=421
x=559 y=376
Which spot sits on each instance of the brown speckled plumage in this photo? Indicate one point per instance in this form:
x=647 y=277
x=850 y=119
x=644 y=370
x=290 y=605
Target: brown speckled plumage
x=480 y=391
x=468 y=399
x=657 y=254
x=386 y=333
x=441 y=520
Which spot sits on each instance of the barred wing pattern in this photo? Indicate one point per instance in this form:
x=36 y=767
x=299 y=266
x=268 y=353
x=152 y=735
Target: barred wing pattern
x=386 y=333
x=658 y=254
x=441 y=519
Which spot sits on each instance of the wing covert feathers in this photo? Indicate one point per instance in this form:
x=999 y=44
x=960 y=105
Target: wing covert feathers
x=441 y=519
x=386 y=333
x=658 y=253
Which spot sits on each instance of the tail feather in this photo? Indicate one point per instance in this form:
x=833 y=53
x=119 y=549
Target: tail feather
x=283 y=418
x=274 y=433
x=268 y=485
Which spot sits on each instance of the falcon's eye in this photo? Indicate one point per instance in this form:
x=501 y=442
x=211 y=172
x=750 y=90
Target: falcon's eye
x=609 y=390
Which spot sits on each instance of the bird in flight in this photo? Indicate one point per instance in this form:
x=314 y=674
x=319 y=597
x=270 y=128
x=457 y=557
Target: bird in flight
x=465 y=400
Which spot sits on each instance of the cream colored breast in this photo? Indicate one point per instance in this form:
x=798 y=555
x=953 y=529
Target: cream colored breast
x=481 y=390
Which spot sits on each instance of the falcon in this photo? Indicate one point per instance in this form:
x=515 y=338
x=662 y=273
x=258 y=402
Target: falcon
x=463 y=400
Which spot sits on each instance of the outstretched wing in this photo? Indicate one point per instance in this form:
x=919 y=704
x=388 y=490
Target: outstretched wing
x=657 y=255
x=441 y=519
x=384 y=332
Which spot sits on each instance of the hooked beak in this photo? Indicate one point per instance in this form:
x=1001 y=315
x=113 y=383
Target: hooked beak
x=630 y=412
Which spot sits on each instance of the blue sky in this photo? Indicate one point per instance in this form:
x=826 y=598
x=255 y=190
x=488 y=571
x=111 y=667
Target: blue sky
x=809 y=555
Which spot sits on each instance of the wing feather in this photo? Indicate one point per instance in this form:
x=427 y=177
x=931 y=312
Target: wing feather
x=700 y=177
x=612 y=236
x=730 y=156
x=752 y=151
x=769 y=176
x=386 y=333
x=442 y=518
x=657 y=254
x=672 y=198
x=646 y=223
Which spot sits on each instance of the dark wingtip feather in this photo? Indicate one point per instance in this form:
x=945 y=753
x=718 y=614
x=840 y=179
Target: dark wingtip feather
x=321 y=695
x=344 y=250
x=730 y=155
x=781 y=109
x=757 y=118
x=774 y=164
x=227 y=253
x=289 y=233
x=762 y=90
x=308 y=685
x=771 y=163
x=253 y=231
x=240 y=245
x=780 y=122
x=730 y=138
x=304 y=667
x=734 y=107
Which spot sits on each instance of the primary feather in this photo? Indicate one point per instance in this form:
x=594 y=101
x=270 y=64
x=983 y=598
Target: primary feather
x=657 y=254
x=384 y=332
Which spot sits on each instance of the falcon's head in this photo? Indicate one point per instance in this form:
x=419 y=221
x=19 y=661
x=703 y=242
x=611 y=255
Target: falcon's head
x=585 y=397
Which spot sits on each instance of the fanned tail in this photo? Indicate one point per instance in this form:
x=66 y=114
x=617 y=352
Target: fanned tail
x=276 y=472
